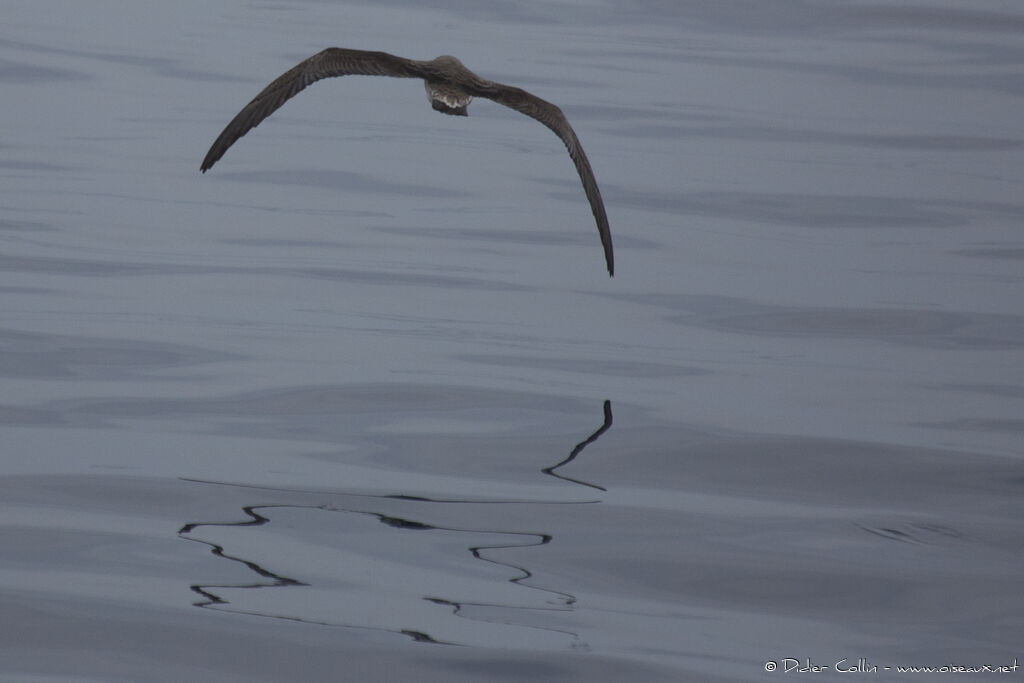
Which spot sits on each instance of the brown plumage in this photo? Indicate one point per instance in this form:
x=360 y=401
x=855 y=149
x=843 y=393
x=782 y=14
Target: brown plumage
x=450 y=87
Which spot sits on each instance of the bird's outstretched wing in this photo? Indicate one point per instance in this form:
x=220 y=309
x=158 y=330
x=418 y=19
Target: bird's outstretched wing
x=333 y=61
x=552 y=117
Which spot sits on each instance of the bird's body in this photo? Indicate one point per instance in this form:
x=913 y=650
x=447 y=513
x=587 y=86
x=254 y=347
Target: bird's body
x=450 y=87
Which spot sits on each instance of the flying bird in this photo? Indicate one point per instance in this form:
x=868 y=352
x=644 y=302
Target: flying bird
x=450 y=88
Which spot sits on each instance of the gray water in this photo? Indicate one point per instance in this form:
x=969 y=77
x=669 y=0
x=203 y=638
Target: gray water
x=361 y=403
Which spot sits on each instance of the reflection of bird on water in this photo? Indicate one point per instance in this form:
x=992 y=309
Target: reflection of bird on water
x=450 y=87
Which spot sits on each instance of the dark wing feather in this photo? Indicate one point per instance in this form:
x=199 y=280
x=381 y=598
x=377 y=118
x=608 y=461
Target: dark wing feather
x=334 y=61
x=552 y=117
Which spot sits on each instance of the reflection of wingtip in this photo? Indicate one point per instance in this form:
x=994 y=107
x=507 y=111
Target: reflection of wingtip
x=605 y=425
x=420 y=636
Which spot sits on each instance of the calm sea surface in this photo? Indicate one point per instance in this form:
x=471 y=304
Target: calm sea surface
x=362 y=404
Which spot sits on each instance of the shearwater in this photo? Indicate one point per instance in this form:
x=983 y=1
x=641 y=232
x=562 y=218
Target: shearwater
x=450 y=88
